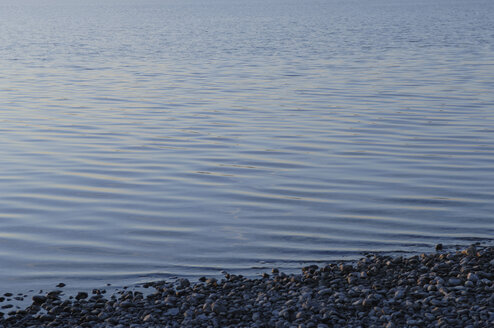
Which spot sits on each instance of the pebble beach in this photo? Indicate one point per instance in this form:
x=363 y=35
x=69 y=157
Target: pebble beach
x=440 y=289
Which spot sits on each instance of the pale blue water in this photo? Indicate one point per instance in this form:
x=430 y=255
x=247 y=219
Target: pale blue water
x=142 y=140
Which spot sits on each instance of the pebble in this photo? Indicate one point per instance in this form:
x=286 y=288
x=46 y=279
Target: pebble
x=454 y=281
x=471 y=251
x=172 y=311
x=148 y=317
x=81 y=295
x=472 y=277
x=399 y=294
x=217 y=307
x=39 y=299
x=452 y=289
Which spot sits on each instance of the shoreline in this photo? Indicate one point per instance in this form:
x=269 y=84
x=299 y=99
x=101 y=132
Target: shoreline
x=440 y=289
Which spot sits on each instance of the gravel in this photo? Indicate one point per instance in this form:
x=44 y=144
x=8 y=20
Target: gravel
x=442 y=289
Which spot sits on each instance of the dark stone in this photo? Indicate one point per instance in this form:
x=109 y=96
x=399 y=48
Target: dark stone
x=39 y=299
x=54 y=295
x=81 y=295
x=448 y=289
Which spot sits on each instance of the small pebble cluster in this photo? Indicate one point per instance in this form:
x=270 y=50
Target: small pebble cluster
x=444 y=289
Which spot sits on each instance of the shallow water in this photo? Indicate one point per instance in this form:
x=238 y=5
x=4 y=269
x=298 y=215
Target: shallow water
x=142 y=140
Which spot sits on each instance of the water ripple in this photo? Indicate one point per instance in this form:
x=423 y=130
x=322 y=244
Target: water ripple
x=158 y=140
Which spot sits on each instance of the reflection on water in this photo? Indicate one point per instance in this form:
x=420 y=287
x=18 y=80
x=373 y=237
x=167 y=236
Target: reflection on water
x=146 y=140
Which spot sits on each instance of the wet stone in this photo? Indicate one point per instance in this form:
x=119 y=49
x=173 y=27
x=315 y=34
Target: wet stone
x=452 y=289
x=81 y=295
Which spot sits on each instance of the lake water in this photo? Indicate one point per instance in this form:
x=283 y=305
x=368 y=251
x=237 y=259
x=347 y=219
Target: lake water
x=142 y=140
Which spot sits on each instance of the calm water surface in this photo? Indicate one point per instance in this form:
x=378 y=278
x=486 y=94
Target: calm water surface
x=142 y=140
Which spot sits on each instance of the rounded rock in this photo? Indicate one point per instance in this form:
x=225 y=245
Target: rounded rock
x=81 y=295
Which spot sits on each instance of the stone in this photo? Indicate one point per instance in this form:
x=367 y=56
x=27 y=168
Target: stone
x=325 y=291
x=399 y=294
x=172 y=311
x=81 y=295
x=471 y=251
x=217 y=307
x=183 y=283
x=454 y=281
x=447 y=289
x=39 y=299
x=472 y=277
x=148 y=318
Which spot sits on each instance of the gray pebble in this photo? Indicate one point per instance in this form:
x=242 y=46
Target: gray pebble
x=172 y=311
x=81 y=295
x=454 y=281
x=440 y=289
x=472 y=277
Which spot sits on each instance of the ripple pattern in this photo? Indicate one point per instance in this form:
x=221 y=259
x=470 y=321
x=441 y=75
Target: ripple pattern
x=147 y=140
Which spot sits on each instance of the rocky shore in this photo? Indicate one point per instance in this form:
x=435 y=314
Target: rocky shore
x=442 y=289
